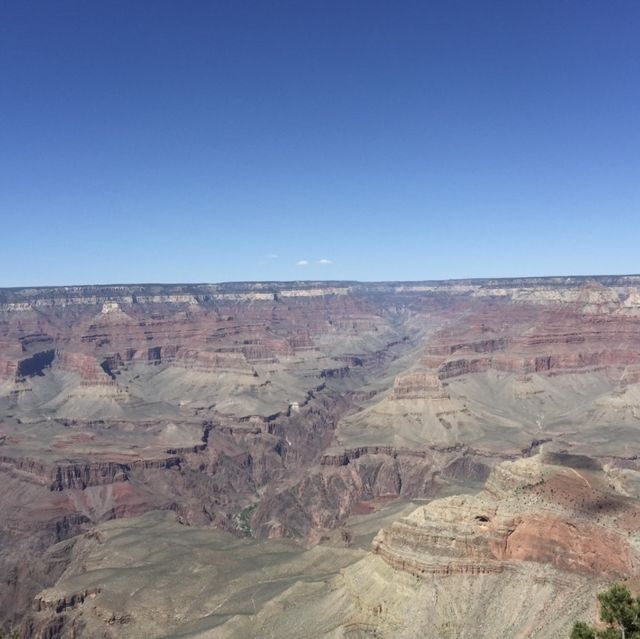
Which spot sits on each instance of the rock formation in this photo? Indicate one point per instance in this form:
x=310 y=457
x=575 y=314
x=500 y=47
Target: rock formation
x=287 y=410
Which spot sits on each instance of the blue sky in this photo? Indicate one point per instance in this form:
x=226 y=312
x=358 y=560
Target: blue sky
x=234 y=140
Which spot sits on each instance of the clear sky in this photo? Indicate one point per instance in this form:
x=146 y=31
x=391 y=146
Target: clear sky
x=239 y=140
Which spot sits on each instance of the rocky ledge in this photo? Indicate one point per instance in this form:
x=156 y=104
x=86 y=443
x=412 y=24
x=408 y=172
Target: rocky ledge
x=530 y=511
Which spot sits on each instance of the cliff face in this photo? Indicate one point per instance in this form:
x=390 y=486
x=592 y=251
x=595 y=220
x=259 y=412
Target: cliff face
x=529 y=512
x=281 y=409
x=520 y=558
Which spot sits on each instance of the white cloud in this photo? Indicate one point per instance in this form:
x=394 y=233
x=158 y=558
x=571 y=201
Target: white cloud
x=302 y=263
x=324 y=260
x=271 y=256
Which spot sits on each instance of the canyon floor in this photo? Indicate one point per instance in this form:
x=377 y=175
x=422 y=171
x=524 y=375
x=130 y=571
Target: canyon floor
x=325 y=459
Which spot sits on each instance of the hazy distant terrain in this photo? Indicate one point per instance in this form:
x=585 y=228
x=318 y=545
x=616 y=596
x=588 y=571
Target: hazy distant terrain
x=318 y=459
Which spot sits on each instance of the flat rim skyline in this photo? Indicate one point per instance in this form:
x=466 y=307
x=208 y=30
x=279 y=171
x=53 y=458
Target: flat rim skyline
x=302 y=282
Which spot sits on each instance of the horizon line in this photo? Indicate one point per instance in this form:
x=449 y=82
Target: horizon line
x=331 y=281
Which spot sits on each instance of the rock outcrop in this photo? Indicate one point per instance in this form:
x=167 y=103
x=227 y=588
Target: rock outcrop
x=529 y=512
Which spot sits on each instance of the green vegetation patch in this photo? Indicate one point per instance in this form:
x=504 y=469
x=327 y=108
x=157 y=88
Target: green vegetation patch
x=619 y=610
x=243 y=520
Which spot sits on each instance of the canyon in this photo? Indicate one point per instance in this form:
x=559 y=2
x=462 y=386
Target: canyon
x=309 y=459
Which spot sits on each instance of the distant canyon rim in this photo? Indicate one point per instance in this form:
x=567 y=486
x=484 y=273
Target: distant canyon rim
x=440 y=459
